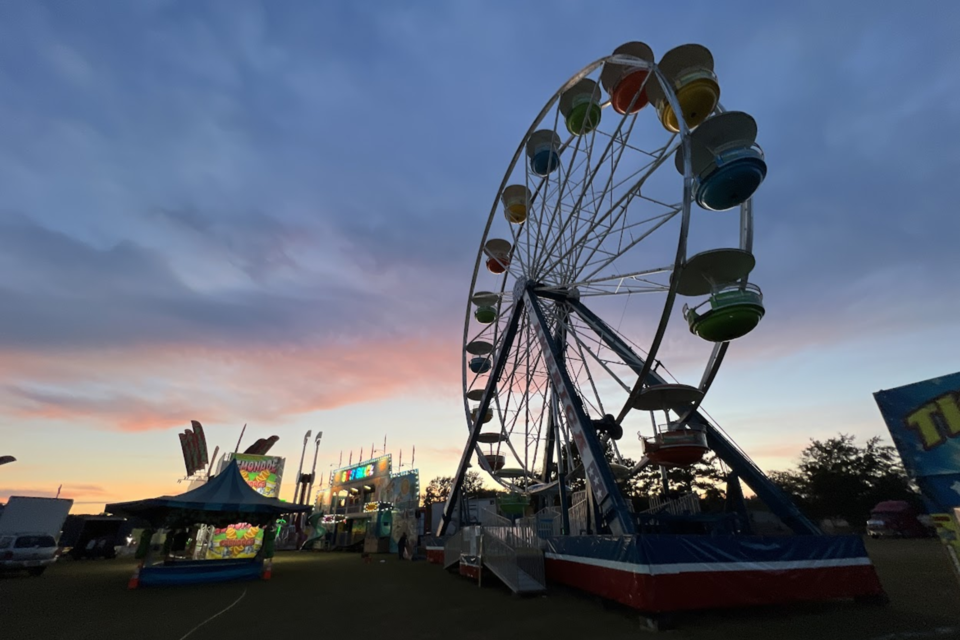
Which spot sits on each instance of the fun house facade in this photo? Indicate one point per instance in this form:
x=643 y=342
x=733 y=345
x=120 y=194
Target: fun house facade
x=368 y=506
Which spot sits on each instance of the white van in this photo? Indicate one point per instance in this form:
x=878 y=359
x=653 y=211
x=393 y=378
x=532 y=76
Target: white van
x=31 y=552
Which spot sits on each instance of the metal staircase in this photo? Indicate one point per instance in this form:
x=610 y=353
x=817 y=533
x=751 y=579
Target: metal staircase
x=511 y=553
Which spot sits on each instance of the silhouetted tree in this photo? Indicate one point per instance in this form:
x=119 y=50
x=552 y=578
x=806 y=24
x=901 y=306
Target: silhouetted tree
x=839 y=478
x=705 y=478
x=439 y=488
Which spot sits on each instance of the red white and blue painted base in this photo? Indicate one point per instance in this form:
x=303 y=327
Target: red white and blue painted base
x=435 y=554
x=664 y=573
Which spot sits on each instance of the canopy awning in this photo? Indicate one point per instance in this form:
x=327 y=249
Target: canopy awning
x=225 y=499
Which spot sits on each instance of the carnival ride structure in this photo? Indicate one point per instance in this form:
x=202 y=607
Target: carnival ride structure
x=632 y=188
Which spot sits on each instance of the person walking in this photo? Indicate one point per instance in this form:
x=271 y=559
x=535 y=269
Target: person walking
x=402 y=545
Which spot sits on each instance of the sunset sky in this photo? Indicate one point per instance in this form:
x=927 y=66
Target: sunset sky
x=267 y=213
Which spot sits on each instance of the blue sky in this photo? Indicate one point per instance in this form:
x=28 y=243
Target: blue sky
x=268 y=213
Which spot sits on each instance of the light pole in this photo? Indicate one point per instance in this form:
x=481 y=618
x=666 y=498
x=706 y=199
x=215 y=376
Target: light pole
x=303 y=452
x=313 y=472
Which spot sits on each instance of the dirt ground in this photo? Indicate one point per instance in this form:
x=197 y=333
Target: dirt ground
x=321 y=594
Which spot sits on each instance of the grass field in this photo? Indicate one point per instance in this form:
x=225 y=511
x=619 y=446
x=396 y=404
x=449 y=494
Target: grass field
x=321 y=595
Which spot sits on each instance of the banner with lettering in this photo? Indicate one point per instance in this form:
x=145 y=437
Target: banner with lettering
x=262 y=473
x=924 y=421
x=243 y=540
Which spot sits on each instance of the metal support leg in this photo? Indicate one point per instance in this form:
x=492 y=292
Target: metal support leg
x=495 y=373
x=600 y=480
x=780 y=504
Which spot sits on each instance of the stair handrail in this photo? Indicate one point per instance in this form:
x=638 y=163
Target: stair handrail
x=687 y=503
x=501 y=558
x=452 y=549
x=490 y=518
x=578 y=516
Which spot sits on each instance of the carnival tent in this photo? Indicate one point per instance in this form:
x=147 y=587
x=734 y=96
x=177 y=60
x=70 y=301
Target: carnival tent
x=224 y=499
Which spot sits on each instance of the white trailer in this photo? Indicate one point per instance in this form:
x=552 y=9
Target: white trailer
x=24 y=514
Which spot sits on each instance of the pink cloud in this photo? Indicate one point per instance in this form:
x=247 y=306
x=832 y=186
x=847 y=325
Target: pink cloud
x=159 y=388
x=71 y=491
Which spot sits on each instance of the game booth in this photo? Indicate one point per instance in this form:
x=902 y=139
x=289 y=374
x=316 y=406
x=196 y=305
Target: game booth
x=227 y=502
x=367 y=507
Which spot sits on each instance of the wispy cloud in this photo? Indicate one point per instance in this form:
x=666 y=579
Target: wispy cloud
x=68 y=491
x=162 y=388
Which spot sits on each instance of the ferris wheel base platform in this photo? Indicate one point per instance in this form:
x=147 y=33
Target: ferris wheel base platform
x=669 y=573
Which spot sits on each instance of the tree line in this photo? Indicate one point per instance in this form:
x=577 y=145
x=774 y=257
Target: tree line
x=836 y=478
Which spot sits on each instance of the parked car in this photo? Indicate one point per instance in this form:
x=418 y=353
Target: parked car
x=32 y=552
x=896 y=519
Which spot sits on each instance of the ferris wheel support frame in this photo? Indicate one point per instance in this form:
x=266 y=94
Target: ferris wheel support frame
x=603 y=487
x=468 y=451
x=611 y=504
x=613 y=507
x=779 y=502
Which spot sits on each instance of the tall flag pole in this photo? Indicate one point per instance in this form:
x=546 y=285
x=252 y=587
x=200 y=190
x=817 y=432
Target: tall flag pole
x=414 y=456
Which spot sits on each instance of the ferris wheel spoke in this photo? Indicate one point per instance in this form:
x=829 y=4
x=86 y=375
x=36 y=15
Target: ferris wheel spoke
x=552 y=236
x=615 y=278
x=602 y=363
x=573 y=211
x=620 y=207
x=504 y=408
x=664 y=219
x=593 y=385
x=563 y=182
x=543 y=188
x=622 y=291
x=614 y=157
x=656 y=153
x=515 y=235
x=532 y=389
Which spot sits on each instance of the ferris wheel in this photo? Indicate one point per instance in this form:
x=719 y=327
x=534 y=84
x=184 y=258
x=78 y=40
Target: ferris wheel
x=631 y=189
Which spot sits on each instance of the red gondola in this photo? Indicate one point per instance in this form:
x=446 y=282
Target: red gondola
x=680 y=448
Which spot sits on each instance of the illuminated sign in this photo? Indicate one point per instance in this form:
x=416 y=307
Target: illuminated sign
x=242 y=540
x=367 y=469
x=357 y=473
x=404 y=489
x=235 y=541
x=371 y=506
x=262 y=473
